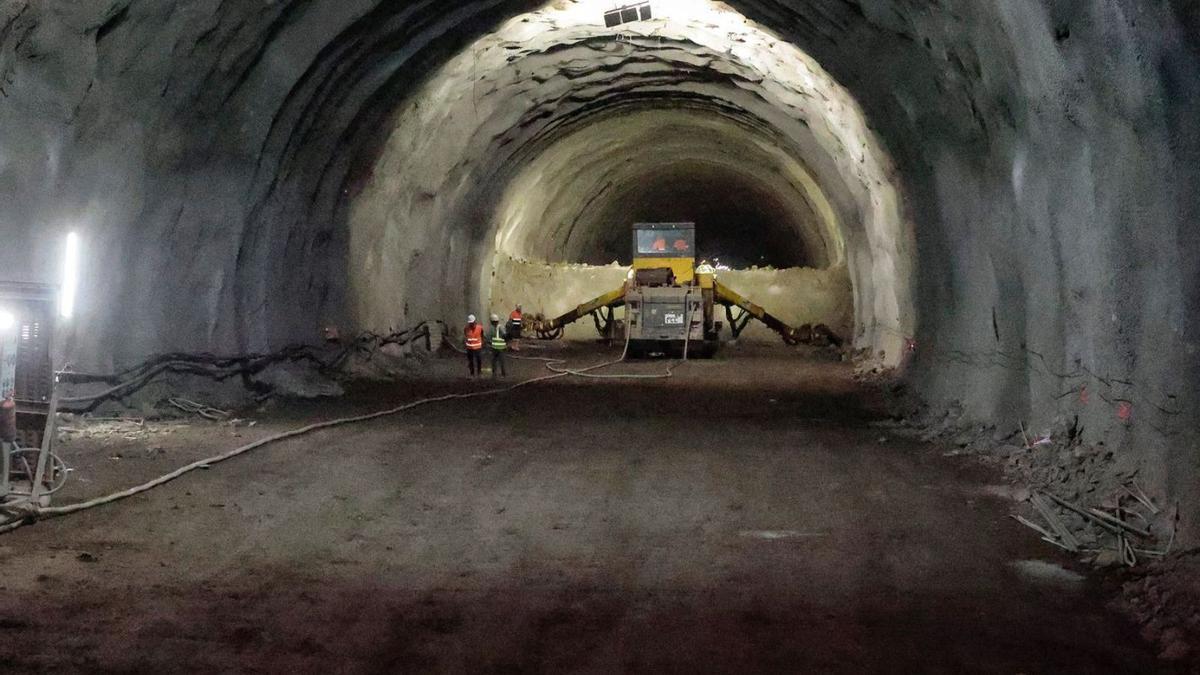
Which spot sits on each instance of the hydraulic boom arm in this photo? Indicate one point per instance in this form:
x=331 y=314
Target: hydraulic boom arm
x=613 y=299
x=729 y=297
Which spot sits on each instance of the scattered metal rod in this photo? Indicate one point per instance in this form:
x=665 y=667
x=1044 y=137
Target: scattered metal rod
x=1125 y=550
x=1109 y=523
x=1058 y=544
x=138 y=421
x=1117 y=522
x=1174 y=529
x=1071 y=507
x=1070 y=542
x=207 y=412
x=1141 y=497
x=1046 y=534
x=1131 y=512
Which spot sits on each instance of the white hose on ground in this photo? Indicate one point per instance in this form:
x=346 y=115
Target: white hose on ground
x=32 y=513
x=552 y=364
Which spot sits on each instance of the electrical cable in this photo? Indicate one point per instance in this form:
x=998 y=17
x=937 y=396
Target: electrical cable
x=33 y=513
x=670 y=371
x=222 y=367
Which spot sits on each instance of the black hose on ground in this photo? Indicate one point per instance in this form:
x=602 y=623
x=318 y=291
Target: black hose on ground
x=220 y=368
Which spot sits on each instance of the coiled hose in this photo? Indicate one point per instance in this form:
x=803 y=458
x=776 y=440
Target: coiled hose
x=553 y=364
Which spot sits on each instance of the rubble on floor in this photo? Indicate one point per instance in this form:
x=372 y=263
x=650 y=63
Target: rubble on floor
x=1086 y=497
x=71 y=427
x=1087 y=500
x=1164 y=598
x=291 y=379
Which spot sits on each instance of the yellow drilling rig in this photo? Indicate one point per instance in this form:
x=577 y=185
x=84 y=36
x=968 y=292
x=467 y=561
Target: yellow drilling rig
x=670 y=301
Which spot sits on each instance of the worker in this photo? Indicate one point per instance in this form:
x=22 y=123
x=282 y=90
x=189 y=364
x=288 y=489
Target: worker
x=473 y=341
x=660 y=245
x=8 y=421
x=498 y=343
x=516 y=322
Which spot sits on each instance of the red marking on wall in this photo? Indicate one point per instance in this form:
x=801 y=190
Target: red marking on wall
x=1084 y=396
x=1124 y=411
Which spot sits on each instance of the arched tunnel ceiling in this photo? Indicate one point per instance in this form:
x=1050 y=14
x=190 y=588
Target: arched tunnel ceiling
x=665 y=161
x=1045 y=154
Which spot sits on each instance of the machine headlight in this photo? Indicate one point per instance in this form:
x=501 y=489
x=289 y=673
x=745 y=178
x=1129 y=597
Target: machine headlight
x=8 y=321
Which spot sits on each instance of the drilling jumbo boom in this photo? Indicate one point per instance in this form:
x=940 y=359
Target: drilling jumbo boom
x=670 y=301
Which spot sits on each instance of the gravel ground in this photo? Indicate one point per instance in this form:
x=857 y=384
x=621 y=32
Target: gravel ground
x=745 y=515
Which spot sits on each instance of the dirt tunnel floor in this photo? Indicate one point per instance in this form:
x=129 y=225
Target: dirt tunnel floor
x=743 y=516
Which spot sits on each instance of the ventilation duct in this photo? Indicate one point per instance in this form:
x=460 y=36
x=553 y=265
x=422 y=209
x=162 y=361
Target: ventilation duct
x=628 y=14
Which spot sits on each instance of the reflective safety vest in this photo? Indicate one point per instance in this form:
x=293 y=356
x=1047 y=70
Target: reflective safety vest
x=515 y=318
x=474 y=337
x=498 y=342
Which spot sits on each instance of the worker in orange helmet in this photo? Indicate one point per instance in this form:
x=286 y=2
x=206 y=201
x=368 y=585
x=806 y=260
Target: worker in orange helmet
x=516 y=321
x=473 y=341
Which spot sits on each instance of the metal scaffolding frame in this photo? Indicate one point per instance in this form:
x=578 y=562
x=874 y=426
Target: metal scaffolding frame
x=28 y=378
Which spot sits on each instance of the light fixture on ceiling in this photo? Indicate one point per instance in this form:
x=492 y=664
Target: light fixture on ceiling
x=70 y=278
x=638 y=11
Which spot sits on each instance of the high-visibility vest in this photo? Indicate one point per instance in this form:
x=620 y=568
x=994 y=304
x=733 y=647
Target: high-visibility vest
x=498 y=342
x=474 y=337
x=515 y=317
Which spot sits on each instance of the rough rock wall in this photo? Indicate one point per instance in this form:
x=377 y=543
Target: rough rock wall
x=202 y=148
x=1058 y=239
x=142 y=125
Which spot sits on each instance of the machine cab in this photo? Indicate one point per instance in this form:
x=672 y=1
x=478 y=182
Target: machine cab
x=664 y=254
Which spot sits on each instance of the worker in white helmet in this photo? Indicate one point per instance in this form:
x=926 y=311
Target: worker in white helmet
x=516 y=323
x=473 y=341
x=498 y=343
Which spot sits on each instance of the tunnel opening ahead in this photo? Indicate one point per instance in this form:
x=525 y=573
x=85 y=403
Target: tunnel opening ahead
x=564 y=216
x=739 y=222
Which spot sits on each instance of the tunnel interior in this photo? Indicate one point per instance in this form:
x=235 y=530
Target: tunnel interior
x=579 y=198
x=738 y=224
x=993 y=202
x=555 y=137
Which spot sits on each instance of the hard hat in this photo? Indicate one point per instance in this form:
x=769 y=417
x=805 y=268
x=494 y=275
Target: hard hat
x=495 y=319
x=470 y=318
